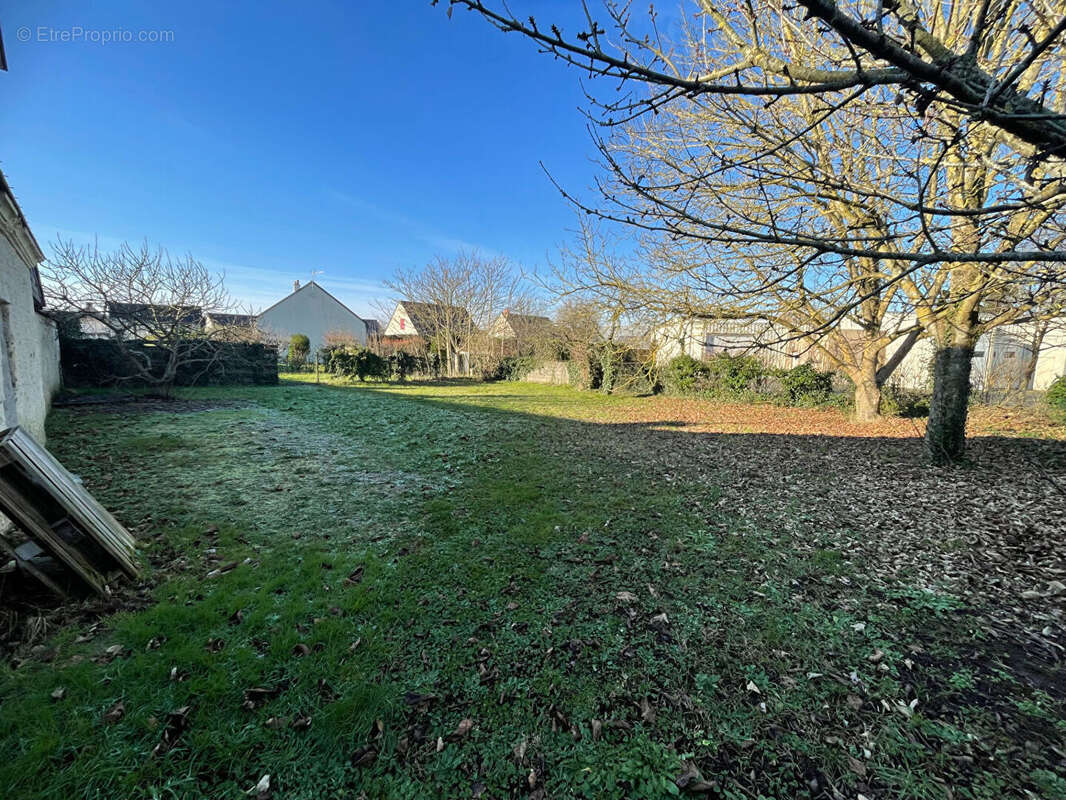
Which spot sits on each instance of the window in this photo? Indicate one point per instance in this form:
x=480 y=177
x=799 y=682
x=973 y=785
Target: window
x=402 y=323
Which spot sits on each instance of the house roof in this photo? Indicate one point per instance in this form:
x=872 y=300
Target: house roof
x=231 y=319
x=525 y=323
x=424 y=316
x=306 y=286
x=186 y=315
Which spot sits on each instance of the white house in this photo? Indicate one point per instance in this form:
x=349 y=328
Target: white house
x=29 y=341
x=423 y=319
x=314 y=312
x=517 y=326
x=1000 y=357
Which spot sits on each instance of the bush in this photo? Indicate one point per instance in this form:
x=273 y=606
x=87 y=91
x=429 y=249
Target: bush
x=358 y=362
x=511 y=368
x=1056 y=394
x=299 y=347
x=899 y=402
x=804 y=385
x=685 y=374
x=723 y=375
x=401 y=365
x=734 y=375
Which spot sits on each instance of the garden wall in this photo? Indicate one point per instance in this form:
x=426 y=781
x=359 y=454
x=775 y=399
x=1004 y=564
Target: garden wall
x=103 y=362
x=553 y=372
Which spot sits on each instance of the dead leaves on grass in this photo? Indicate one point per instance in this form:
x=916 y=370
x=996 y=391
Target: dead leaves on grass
x=115 y=713
x=691 y=780
x=177 y=722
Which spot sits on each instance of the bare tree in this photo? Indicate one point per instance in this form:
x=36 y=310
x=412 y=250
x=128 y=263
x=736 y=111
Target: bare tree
x=837 y=199
x=151 y=305
x=457 y=298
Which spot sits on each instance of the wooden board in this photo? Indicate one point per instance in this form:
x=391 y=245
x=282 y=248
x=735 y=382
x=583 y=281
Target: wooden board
x=24 y=557
x=52 y=508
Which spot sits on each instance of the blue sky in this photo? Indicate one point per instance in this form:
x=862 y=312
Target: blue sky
x=273 y=139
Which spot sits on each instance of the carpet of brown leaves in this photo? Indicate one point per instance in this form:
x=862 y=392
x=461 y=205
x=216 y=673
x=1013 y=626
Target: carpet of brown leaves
x=989 y=532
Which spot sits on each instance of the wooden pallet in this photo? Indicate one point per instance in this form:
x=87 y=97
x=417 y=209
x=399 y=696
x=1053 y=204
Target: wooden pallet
x=53 y=509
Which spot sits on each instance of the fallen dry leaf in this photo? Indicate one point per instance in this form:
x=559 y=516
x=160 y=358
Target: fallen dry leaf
x=461 y=730
x=261 y=790
x=177 y=722
x=647 y=713
x=364 y=756
x=300 y=722
x=691 y=780
x=115 y=713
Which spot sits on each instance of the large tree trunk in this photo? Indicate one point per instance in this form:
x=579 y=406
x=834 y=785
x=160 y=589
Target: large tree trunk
x=868 y=381
x=945 y=435
x=867 y=399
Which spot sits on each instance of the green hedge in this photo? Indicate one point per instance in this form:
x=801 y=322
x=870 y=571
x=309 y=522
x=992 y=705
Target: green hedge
x=1056 y=394
x=741 y=377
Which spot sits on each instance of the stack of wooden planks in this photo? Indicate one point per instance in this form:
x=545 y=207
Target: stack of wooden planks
x=54 y=510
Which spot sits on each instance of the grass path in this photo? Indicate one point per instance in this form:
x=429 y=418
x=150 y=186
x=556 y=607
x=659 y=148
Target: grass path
x=509 y=590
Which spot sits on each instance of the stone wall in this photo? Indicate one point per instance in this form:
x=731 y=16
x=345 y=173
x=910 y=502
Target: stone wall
x=553 y=372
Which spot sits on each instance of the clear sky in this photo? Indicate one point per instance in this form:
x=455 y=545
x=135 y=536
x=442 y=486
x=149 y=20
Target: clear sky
x=272 y=139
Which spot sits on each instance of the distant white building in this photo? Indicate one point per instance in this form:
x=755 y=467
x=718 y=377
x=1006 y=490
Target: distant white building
x=425 y=319
x=1000 y=357
x=314 y=312
x=29 y=341
x=517 y=326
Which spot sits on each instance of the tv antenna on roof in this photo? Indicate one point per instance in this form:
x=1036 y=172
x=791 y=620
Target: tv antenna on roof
x=315 y=272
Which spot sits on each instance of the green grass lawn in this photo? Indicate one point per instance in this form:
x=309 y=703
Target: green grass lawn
x=507 y=590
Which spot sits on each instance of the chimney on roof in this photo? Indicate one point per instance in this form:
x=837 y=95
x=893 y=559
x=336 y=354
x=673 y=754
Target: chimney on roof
x=295 y=285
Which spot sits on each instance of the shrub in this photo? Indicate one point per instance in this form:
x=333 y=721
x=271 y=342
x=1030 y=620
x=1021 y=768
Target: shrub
x=1056 y=394
x=299 y=347
x=722 y=375
x=685 y=374
x=358 y=362
x=899 y=402
x=734 y=375
x=512 y=368
x=804 y=385
x=401 y=365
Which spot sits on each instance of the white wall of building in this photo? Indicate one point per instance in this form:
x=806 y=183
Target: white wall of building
x=1052 y=361
x=31 y=339
x=400 y=323
x=314 y=312
x=999 y=361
